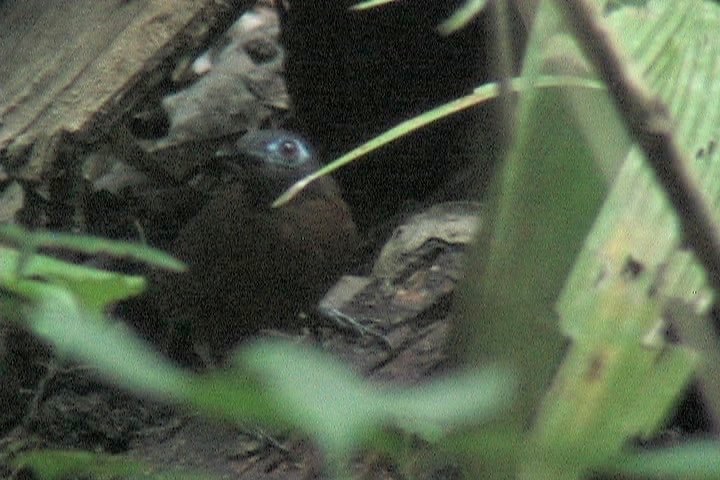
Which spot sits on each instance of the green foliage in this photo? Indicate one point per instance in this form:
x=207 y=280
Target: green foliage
x=34 y=277
x=699 y=460
x=571 y=287
x=274 y=383
x=59 y=464
x=619 y=377
x=280 y=384
x=88 y=245
x=459 y=19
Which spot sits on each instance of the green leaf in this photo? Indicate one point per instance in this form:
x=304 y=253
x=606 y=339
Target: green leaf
x=341 y=410
x=481 y=95
x=543 y=204
x=462 y=16
x=95 y=288
x=110 y=347
x=695 y=460
x=60 y=464
x=88 y=245
x=275 y=383
x=25 y=272
x=370 y=4
x=621 y=378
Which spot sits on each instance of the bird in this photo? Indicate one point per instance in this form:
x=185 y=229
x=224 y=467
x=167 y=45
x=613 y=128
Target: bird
x=252 y=266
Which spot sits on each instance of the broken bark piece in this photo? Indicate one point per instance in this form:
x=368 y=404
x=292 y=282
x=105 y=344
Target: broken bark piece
x=240 y=83
x=453 y=223
x=415 y=275
x=235 y=86
x=77 y=67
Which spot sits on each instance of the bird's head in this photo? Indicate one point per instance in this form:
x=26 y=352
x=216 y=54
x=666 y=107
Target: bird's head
x=269 y=161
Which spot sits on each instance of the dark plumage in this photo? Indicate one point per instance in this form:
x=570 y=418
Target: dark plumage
x=252 y=266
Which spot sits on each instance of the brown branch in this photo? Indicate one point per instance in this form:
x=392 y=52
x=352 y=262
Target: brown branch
x=650 y=123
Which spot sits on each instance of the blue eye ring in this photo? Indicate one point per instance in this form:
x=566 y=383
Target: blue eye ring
x=287 y=151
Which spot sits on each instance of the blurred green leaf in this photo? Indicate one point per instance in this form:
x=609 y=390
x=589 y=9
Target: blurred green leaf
x=40 y=274
x=122 y=357
x=276 y=383
x=462 y=16
x=695 y=460
x=88 y=245
x=31 y=275
x=110 y=347
x=341 y=410
x=543 y=204
x=620 y=377
x=61 y=464
x=371 y=4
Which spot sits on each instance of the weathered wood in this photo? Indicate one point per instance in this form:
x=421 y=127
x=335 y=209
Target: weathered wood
x=76 y=66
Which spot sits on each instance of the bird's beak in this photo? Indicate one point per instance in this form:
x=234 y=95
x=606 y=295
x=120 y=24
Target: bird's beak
x=222 y=153
x=236 y=161
x=225 y=150
x=239 y=149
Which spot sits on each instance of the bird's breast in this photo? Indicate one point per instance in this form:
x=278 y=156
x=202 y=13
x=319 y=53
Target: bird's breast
x=253 y=267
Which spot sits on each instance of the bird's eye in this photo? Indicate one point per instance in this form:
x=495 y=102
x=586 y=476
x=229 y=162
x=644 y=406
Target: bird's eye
x=288 y=149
